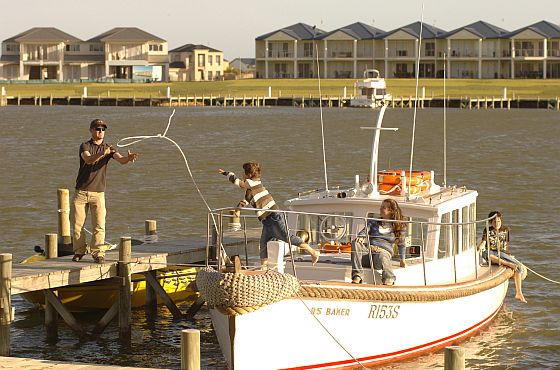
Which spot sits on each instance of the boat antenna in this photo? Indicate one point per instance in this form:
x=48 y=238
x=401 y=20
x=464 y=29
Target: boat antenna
x=416 y=97
x=444 y=123
x=320 y=107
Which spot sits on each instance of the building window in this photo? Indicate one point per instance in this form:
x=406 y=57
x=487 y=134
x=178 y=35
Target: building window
x=430 y=49
x=307 y=49
x=95 y=47
x=72 y=47
x=218 y=75
x=201 y=61
x=12 y=47
x=209 y=60
x=209 y=75
x=218 y=60
x=156 y=47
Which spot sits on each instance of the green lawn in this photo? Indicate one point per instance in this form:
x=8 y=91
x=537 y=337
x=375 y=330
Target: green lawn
x=297 y=87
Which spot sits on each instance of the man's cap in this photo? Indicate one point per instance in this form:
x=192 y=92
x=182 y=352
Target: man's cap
x=97 y=123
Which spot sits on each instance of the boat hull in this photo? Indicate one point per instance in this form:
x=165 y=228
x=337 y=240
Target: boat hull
x=306 y=333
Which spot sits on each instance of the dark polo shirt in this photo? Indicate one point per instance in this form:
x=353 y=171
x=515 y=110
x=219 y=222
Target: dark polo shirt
x=92 y=177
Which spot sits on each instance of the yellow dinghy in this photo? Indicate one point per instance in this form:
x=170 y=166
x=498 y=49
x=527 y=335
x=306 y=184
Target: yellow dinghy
x=99 y=295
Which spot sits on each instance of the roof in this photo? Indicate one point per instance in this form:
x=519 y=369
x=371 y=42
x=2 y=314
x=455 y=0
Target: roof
x=193 y=47
x=428 y=32
x=125 y=34
x=482 y=29
x=247 y=61
x=43 y=34
x=177 y=65
x=358 y=30
x=544 y=28
x=299 y=31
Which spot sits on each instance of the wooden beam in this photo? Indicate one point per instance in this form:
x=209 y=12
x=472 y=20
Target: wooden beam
x=5 y=303
x=66 y=315
x=154 y=283
x=51 y=316
x=151 y=296
x=106 y=319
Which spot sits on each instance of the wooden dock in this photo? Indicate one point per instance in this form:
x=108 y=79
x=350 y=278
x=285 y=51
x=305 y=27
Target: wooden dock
x=18 y=363
x=406 y=102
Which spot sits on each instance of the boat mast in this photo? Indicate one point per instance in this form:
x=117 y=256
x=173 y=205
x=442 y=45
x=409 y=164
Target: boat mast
x=321 y=109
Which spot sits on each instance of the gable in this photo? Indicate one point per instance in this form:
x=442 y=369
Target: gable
x=400 y=35
x=280 y=36
x=339 y=35
x=463 y=35
x=528 y=34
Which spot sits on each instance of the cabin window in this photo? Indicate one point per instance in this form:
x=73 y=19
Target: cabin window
x=455 y=232
x=444 y=237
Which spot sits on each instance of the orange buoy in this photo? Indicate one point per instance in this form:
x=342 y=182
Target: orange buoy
x=394 y=177
x=389 y=189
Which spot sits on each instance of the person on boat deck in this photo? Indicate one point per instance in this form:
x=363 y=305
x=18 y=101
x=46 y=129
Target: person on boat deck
x=382 y=236
x=95 y=155
x=498 y=238
x=258 y=197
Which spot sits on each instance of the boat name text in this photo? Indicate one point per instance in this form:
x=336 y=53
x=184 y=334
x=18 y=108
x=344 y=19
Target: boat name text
x=384 y=311
x=330 y=311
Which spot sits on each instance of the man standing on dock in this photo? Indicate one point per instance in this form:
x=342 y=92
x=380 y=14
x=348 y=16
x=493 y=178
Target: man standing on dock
x=90 y=190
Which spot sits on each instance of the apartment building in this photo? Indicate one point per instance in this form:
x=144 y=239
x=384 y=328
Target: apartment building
x=46 y=53
x=477 y=50
x=196 y=63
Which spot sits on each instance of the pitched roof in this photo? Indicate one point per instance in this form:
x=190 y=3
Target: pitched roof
x=358 y=30
x=482 y=29
x=43 y=34
x=543 y=28
x=299 y=31
x=193 y=47
x=125 y=34
x=428 y=31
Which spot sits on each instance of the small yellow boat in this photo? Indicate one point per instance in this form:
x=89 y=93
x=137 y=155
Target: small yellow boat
x=102 y=294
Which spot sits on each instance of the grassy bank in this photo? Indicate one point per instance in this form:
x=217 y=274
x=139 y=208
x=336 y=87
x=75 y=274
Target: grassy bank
x=297 y=87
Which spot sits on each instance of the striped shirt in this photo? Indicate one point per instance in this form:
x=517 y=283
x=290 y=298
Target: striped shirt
x=256 y=195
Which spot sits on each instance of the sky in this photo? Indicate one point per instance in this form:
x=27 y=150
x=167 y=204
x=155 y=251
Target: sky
x=232 y=26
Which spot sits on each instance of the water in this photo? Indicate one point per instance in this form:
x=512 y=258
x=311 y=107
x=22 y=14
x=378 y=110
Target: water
x=510 y=157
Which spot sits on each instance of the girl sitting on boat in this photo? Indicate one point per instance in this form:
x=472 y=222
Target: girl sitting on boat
x=382 y=236
x=258 y=197
x=498 y=238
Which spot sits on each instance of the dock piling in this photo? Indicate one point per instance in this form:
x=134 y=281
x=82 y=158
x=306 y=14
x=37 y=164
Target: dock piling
x=190 y=349
x=51 y=315
x=5 y=302
x=125 y=310
x=150 y=235
x=454 y=358
x=64 y=216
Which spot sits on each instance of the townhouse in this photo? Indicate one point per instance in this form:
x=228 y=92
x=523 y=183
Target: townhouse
x=477 y=50
x=46 y=53
x=196 y=63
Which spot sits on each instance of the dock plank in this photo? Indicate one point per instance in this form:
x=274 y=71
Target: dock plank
x=34 y=364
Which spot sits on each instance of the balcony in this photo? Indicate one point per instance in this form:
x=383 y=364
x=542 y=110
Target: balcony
x=401 y=53
x=464 y=53
x=528 y=53
x=554 y=53
x=340 y=54
x=280 y=54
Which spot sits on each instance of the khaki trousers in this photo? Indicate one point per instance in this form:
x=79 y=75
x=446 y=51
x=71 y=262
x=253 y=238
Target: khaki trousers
x=84 y=201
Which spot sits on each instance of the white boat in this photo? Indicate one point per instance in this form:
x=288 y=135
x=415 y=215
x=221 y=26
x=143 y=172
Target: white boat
x=313 y=317
x=371 y=92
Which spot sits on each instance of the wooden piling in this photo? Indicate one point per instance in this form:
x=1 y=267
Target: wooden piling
x=64 y=217
x=51 y=315
x=5 y=302
x=125 y=311
x=190 y=349
x=454 y=358
x=150 y=235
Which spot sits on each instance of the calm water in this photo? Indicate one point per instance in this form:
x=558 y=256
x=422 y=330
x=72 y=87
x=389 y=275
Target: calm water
x=510 y=157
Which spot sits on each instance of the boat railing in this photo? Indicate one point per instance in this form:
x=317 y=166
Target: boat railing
x=230 y=220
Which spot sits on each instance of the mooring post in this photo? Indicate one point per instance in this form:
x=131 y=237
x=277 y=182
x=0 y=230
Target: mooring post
x=190 y=349
x=150 y=235
x=5 y=302
x=63 y=196
x=454 y=358
x=51 y=315
x=125 y=311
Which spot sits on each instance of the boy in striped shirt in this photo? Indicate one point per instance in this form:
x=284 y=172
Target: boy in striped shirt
x=259 y=198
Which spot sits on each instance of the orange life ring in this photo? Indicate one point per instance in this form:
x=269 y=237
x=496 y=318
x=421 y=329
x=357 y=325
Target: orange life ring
x=336 y=247
x=394 y=177
x=389 y=189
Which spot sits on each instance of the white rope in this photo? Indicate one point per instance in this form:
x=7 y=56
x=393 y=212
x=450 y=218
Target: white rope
x=542 y=276
x=416 y=97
